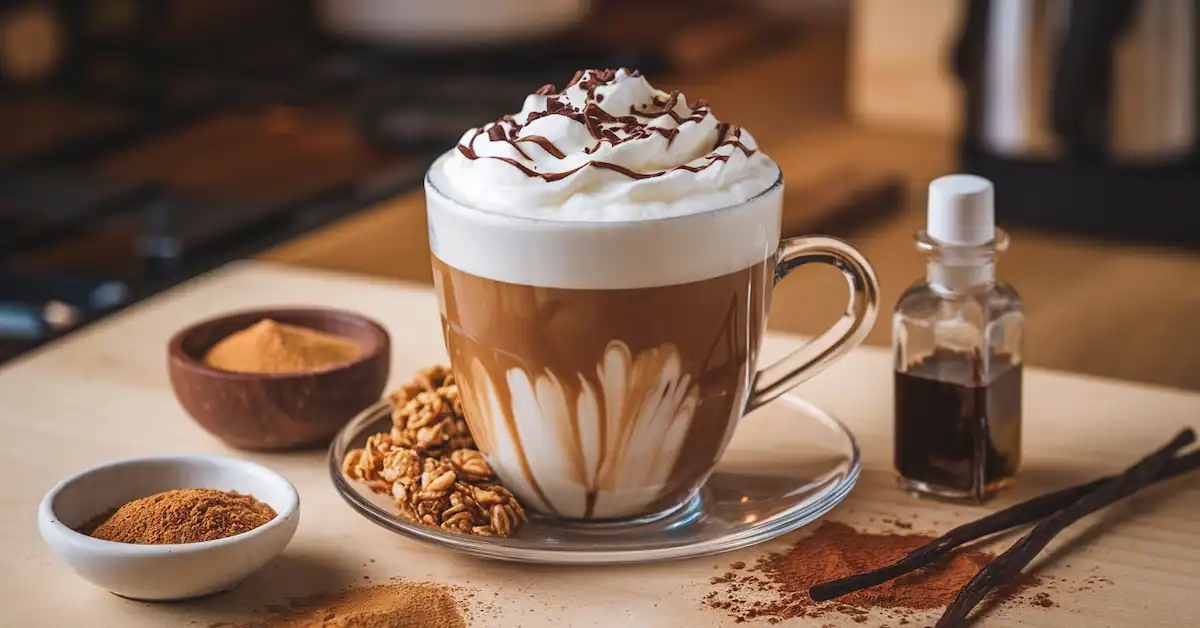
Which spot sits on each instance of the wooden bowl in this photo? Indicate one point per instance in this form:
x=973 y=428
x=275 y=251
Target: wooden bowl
x=271 y=411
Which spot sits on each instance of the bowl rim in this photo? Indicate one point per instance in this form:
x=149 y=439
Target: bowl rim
x=179 y=357
x=48 y=517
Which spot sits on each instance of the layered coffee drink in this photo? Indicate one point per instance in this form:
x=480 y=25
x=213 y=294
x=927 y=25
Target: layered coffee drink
x=604 y=261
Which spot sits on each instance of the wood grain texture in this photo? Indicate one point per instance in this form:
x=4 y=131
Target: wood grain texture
x=104 y=394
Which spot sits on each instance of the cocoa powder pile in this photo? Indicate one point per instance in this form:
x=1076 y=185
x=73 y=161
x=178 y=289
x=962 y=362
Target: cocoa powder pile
x=400 y=605
x=776 y=587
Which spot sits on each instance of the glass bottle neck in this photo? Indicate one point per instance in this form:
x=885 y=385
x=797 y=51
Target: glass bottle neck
x=961 y=268
x=958 y=277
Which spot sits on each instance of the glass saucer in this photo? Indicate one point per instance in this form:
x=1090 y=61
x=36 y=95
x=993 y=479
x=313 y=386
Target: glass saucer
x=788 y=463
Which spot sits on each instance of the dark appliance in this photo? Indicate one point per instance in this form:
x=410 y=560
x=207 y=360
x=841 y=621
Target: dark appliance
x=1085 y=114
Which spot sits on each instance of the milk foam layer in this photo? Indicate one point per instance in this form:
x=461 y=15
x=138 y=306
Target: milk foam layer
x=609 y=147
x=602 y=255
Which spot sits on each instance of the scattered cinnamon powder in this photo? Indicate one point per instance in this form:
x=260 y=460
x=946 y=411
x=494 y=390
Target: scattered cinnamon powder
x=271 y=347
x=1043 y=599
x=900 y=523
x=776 y=588
x=400 y=605
x=187 y=515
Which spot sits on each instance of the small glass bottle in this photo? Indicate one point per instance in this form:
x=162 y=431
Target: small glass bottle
x=957 y=337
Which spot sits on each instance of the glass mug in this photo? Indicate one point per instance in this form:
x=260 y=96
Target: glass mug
x=603 y=366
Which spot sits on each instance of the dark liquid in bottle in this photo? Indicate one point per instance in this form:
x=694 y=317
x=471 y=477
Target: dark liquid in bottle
x=958 y=425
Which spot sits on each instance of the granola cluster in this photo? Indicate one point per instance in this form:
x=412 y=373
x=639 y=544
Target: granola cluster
x=429 y=464
x=428 y=414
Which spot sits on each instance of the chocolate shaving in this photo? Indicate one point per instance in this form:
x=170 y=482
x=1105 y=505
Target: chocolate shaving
x=596 y=78
x=579 y=74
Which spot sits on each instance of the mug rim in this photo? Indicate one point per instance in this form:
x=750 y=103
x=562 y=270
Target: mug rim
x=431 y=187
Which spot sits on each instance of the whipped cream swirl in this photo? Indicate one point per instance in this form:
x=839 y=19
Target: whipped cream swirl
x=609 y=147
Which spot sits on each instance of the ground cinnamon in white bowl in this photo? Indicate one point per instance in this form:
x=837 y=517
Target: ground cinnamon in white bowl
x=190 y=515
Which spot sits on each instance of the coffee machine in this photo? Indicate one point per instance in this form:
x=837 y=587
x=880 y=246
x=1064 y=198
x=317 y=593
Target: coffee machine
x=1085 y=113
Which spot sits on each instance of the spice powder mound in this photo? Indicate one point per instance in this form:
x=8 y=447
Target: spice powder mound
x=400 y=605
x=271 y=347
x=188 y=515
x=776 y=588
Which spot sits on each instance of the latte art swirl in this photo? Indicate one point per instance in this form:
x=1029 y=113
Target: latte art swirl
x=608 y=147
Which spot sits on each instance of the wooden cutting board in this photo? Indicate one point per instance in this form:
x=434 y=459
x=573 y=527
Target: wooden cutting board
x=103 y=394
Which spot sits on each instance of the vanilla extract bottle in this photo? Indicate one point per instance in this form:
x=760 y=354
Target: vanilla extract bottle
x=958 y=337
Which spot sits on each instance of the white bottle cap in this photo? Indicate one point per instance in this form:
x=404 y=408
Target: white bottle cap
x=961 y=210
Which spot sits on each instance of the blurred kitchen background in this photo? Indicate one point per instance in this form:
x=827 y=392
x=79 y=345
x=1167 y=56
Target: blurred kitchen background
x=144 y=142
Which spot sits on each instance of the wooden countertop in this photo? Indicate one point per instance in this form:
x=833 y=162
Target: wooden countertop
x=103 y=394
x=1116 y=310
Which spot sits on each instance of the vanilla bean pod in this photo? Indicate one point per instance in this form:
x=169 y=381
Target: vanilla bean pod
x=1005 y=567
x=1016 y=515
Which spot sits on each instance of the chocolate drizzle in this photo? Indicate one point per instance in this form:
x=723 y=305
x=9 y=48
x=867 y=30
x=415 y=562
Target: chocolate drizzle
x=605 y=127
x=545 y=143
x=667 y=107
x=723 y=138
x=496 y=134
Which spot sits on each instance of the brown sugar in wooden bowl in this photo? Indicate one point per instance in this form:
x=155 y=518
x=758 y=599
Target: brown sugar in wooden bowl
x=272 y=411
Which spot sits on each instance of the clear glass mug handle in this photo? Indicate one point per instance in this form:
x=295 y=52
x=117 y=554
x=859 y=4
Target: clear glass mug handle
x=848 y=332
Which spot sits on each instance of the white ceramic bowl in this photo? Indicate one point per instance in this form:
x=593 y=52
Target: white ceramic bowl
x=166 y=572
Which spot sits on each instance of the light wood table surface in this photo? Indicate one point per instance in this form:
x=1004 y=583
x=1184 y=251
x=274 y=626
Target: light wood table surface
x=103 y=394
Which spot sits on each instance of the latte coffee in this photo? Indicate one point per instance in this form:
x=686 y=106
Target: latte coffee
x=604 y=403
x=604 y=262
